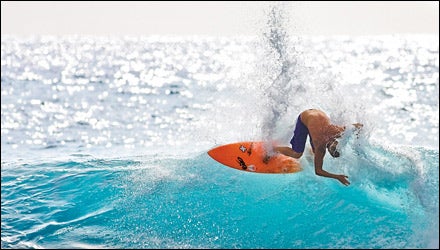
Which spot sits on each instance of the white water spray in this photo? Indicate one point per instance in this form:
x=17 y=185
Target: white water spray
x=289 y=82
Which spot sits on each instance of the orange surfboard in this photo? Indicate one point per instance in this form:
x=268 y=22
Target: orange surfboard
x=251 y=157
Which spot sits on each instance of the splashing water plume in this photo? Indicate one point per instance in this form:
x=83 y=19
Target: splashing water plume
x=288 y=82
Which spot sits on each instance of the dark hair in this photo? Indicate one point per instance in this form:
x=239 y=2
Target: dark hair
x=331 y=147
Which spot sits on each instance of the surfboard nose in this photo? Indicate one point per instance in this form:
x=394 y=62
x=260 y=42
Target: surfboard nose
x=214 y=152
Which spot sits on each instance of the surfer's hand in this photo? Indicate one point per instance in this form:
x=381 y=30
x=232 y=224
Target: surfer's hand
x=358 y=125
x=343 y=179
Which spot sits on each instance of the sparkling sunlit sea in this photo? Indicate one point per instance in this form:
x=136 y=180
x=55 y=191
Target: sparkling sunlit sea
x=104 y=141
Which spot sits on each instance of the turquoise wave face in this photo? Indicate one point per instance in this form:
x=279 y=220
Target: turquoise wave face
x=159 y=202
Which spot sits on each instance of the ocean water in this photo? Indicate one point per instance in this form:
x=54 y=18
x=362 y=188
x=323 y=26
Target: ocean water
x=104 y=141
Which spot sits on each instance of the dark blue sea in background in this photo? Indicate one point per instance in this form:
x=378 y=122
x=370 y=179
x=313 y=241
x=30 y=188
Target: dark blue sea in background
x=104 y=141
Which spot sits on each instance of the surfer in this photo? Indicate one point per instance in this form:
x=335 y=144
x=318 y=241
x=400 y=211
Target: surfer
x=323 y=135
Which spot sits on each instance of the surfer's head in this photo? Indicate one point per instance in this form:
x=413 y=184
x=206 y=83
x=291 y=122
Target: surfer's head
x=332 y=148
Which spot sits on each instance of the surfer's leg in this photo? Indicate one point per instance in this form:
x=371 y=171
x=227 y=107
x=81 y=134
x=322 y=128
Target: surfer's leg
x=298 y=142
x=299 y=138
x=288 y=151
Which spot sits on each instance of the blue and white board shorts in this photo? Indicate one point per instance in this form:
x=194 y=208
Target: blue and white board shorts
x=300 y=137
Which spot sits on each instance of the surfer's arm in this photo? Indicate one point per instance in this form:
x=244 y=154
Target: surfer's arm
x=356 y=125
x=319 y=160
x=357 y=129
